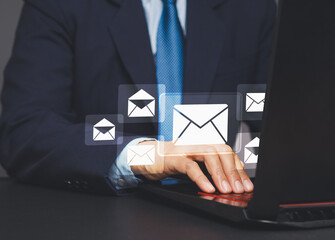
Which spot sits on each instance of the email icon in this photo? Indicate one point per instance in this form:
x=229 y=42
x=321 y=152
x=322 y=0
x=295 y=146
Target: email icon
x=251 y=151
x=199 y=124
x=141 y=155
x=104 y=131
x=141 y=104
x=255 y=102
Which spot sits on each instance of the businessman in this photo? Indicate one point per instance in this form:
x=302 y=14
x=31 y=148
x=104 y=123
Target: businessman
x=69 y=58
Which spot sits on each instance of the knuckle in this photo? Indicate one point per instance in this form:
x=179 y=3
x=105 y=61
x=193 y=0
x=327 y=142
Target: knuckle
x=233 y=174
x=199 y=179
x=190 y=165
x=227 y=148
x=218 y=172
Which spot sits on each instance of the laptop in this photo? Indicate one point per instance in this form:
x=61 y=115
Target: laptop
x=295 y=175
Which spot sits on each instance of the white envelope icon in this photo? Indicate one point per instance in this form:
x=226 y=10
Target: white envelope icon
x=255 y=102
x=251 y=151
x=141 y=155
x=104 y=131
x=200 y=124
x=141 y=104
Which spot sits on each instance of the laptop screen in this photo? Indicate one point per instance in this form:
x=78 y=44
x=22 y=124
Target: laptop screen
x=296 y=162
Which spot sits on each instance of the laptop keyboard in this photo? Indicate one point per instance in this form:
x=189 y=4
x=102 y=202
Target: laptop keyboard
x=233 y=199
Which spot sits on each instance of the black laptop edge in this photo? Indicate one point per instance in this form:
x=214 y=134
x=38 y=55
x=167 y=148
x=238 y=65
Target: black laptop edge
x=270 y=186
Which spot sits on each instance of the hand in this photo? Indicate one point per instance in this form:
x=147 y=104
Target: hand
x=222 y=163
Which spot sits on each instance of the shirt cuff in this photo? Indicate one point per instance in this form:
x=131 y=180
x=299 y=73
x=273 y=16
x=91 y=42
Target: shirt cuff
x=120 y=173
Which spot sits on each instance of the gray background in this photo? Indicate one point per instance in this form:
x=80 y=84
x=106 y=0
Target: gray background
x=9 y=15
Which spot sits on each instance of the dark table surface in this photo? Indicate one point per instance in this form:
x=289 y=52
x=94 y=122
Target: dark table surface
x=29 y=212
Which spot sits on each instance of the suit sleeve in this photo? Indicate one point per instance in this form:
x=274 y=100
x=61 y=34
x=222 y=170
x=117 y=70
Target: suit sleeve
x=40 y=140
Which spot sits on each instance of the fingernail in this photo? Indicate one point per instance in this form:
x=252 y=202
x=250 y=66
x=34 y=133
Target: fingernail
x=239 y=186
x=248 y=185
x=226 y=186
x=209 y=187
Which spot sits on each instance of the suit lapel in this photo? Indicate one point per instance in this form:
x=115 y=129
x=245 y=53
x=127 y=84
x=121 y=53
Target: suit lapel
x=204 y=42
x=129 y=31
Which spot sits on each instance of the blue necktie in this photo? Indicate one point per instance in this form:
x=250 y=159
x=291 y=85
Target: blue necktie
x=169 y=65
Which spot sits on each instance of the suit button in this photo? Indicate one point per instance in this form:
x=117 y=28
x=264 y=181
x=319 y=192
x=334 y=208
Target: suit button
x=121 y=182
x=69 y=184
x=76 y=184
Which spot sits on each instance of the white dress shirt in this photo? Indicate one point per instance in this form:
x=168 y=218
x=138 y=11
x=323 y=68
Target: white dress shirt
x=153 y=11
x=120 y=173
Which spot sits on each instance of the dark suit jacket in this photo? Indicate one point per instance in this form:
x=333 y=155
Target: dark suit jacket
x=70 y=56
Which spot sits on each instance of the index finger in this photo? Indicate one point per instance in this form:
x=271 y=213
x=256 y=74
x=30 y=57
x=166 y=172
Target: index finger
x=192 y=170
